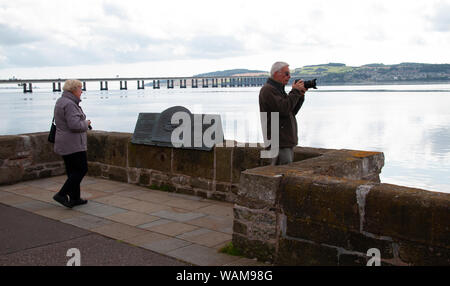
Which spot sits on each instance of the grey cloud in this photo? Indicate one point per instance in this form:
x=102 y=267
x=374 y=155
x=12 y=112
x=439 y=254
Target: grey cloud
x=10 y=36
x=119 y=46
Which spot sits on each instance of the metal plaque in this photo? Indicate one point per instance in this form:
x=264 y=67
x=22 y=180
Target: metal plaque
x=196 y=131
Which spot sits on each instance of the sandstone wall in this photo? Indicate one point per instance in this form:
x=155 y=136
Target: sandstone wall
x=331 y=210
x=27 y=157
x=326 y=208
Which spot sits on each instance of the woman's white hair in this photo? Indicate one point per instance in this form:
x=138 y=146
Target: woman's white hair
x=71 y=84
x=276 y=67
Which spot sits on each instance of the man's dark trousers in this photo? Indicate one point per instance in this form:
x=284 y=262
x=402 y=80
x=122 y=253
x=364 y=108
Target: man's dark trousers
x=76 y=169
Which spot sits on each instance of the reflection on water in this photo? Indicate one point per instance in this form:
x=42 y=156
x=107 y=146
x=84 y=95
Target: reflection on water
x=409 y=123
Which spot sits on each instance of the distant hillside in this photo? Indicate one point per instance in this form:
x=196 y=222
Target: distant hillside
x=338 y=73
x=375 y=73
x=233 y=72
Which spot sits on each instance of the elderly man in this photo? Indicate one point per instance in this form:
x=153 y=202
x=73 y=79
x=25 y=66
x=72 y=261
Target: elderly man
x=273 y=98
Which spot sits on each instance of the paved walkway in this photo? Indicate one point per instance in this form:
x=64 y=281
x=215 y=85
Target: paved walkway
x=184 y=228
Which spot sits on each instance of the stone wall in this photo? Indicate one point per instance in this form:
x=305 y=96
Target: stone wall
x=326 y=208
x=330 y=210
x=27 y=157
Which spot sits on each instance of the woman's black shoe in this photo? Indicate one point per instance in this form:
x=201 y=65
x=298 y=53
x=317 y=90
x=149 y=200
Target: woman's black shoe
x=78 y=202
x=62 y=200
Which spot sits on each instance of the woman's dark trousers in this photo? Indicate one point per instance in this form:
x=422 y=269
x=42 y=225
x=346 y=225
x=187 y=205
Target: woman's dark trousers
x=76 y=169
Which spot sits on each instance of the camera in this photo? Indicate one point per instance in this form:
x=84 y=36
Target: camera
x=309 y=83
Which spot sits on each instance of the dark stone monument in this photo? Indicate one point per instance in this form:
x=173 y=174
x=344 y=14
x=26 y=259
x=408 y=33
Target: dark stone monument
x=177 y=127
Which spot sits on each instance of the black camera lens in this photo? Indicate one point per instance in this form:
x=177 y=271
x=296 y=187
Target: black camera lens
x=309 y=83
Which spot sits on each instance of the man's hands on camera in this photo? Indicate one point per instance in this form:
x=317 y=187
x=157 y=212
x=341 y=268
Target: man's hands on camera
x=300 y=86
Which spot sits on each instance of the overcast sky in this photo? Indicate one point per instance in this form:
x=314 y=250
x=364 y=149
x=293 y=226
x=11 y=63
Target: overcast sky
x=87 y=38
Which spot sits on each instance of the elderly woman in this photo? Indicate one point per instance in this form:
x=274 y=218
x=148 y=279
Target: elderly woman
x=71 y=142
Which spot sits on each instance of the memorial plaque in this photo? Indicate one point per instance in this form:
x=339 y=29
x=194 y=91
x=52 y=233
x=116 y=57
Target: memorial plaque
x=192 y=131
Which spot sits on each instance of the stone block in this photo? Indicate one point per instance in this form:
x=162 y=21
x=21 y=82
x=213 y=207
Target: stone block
x=94 y=169
x=11 y=146
x=199 y=183
x=45 y=174
x=408 y=214
x=223 y=187
x=423 y=255
x=321 y=199
x=223 y=163
x=262 y=250
x=304 y=153
x=133 y=175
x=340 y=237
x=239 y=227
x=150 y=157
x=144 y=178
x=10 y=175
x=245 y=158
x=185 y=191
x=300 y=253
x=255 y=216
x=42 y=150
x=108 y=148
x=258 y=191
x=194 y=163
x=353 y=260
x=118 y=174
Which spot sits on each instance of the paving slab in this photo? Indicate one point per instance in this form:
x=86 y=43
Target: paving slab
x=223 y=210
x=119 y=231
x=145 y=207
x=132 y=218
x=58 y=213
x=13 y=199
x=115 y=200
x=87 y=221
x=186 y=204
x=148 y=237
x=177 y=215
x=33 y=206
x=172 y=228
x=222 y=224
x=166 y=245
x=206 y=237
x=98 y=209
x=183 y=227
x=151 y=196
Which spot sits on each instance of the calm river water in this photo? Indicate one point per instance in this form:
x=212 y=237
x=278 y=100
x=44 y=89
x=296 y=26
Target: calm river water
x=409 y=123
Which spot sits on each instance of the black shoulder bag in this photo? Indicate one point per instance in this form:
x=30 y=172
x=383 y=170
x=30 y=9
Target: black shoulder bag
x=52 y=134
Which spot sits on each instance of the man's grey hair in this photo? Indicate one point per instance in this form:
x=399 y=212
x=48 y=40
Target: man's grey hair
x=276 y=67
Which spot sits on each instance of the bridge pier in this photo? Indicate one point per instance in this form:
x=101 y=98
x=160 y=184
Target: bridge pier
x=55 y=89
x=140 y=85
x=83 y=88
x=194 y=83
x=170 y=83
x=182 y=83
x=125 y=87
x=156 y=84
x=204 y=82
x=101 y=85
x=29 y=89
x=223 y=82
x=215 y=82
